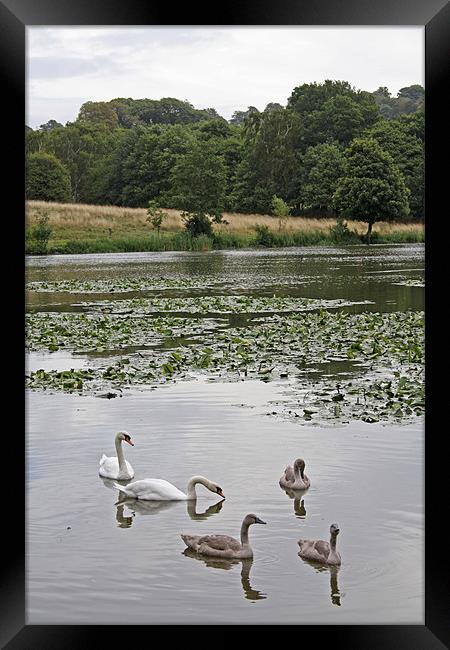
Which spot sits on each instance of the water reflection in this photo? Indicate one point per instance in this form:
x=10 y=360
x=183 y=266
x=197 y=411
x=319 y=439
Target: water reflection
x=299 y=501
x=109 y=482
x=219 y=563
x=200 y=516
x=156 y=507
x=122 y=521
x=335 y=594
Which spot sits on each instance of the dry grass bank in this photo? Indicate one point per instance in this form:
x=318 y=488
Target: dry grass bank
x=79 y=221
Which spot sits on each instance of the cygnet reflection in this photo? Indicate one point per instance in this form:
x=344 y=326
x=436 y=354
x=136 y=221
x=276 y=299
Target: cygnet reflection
x=335 y=594
x=299 y=501
x=219 y=563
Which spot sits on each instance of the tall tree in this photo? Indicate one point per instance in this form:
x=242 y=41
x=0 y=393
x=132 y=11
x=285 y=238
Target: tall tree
x=46 y=178
x=322 y=167
x=199 y=182
x=99 y=113
x=397 y=137
x=372 y=188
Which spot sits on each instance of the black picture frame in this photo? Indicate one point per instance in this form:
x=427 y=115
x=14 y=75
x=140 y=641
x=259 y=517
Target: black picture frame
x=434 y=15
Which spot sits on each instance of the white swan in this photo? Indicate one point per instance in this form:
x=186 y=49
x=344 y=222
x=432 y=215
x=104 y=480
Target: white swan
x=157 y=489
x=317 y=550
x=294 y=476
x=117 y=467
x=223 y=545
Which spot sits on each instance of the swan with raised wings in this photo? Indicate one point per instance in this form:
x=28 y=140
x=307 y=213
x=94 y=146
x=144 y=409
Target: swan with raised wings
x=223 y=545
x=157 y=489
x=116 y=467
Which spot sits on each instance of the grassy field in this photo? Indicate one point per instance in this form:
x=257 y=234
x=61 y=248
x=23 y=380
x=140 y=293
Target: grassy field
x=79 y=228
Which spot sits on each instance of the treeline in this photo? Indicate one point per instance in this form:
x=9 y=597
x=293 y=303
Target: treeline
x=128 y=152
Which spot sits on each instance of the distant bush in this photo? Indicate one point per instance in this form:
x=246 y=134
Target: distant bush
x=40 y=234
x=197 y=224
x=341 y=234
x=264 y=236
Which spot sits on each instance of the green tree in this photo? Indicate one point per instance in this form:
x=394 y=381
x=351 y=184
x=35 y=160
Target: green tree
x=46 y=178
x=156 y=216
x=322 y=167
x=281 y=210
x=397 y=137
x=99 y=113
x=270 y=164
x=199 y=185
x=372 y=188
x=51 y=124
x=239 y=117
x=80 y=146
x=333 y=111
x=41 y=233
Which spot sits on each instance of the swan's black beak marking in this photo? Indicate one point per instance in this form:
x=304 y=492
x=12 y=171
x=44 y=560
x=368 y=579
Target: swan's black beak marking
x=259 y=521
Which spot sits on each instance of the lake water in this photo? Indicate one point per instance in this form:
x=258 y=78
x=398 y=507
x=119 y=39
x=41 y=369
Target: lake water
x=93 y=559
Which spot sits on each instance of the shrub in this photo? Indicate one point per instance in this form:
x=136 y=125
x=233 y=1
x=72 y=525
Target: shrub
x=264 y=236
x=281 y=210
x=197 y=224
x=341 y=234
x=41 y=233
x=155 y=215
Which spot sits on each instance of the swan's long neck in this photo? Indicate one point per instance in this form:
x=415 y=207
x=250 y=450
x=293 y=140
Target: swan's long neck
x=120 y=455
x=244 y=534
x=298 y=471
x=333 y=555
x=191 y=493
x=333 y=539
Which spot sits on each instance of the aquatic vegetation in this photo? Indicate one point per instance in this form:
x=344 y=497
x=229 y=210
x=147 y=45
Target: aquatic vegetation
x=142 y=341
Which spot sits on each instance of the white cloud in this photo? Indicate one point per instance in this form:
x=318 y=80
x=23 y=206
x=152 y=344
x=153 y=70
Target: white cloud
x=227 y=68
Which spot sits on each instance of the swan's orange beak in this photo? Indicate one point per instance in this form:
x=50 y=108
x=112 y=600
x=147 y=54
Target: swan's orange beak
x=220 y=493
x=130 y=442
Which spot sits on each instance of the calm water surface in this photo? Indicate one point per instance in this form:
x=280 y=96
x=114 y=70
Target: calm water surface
x=92 y=559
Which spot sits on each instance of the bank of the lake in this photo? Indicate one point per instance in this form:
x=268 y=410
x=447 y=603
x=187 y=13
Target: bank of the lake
x=79 y=228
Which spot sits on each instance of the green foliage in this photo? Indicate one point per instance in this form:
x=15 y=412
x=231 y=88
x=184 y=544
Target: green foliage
x=46 y=178
x=372 y=188
x=155 y=216
x=410 y=99
x=264 y=236
x=401 y=139
x=197 y=224
x=332 y=112
x=41 y=233
x=281 y=210
x=100 y=113
x=341 y=234
x=199 y=180
x=130 y=151
x=322 y=167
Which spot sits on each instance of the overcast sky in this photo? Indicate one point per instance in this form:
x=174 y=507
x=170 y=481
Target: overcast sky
x=226 y=68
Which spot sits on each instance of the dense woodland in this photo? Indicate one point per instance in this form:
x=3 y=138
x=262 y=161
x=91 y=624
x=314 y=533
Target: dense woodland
x=331 y=150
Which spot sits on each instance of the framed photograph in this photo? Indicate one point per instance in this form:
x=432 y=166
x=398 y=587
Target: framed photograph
x=225 y=307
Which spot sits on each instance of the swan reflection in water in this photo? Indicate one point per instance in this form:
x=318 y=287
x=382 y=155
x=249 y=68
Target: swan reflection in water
x=335 y=594
x=299 y=501
x=155 y=507
x=226 y=565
